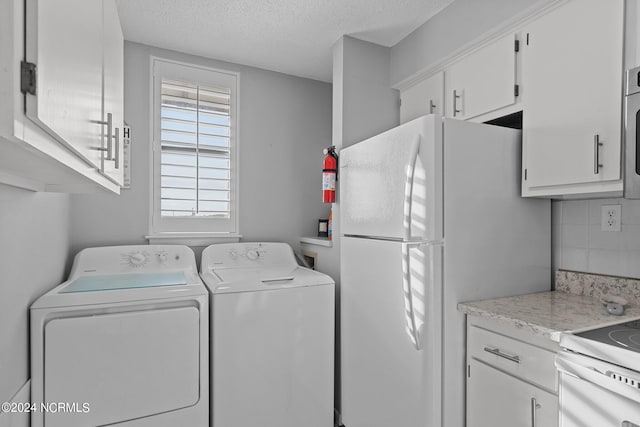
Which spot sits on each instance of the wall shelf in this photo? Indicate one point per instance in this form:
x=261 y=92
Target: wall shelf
x=320 y=241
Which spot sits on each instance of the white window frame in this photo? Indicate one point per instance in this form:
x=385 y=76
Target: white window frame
x=192 y=230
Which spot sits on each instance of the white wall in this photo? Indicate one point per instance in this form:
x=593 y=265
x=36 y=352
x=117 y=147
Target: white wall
x=34 y=245
x=285 y=122
x=579 y=244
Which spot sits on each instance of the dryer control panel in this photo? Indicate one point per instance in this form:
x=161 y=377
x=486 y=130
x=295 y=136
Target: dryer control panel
x=133 y=259
x=247 y=255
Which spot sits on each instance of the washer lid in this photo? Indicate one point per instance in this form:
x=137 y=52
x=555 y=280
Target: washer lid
x=124 y=281
x=263 y=279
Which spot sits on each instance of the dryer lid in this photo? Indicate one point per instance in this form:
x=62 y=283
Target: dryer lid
x=124 y=281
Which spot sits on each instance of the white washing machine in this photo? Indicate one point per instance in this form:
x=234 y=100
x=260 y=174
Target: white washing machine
x=272 y=337
x=124 y=341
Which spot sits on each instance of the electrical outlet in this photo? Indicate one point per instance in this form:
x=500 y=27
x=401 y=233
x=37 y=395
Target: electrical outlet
x=611 y=215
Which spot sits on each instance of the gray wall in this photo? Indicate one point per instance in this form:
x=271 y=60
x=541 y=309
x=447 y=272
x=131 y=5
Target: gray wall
x=284 y=122
x=34 y=244
x=363 y=105
x=367 y=104
x=452 y=30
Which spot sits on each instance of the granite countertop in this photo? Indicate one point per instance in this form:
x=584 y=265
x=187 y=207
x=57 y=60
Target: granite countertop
x=574 y=307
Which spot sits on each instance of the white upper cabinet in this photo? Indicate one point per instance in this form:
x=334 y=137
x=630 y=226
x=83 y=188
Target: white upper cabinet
x=64 y=41
x=425 y=97
x=482 y=81
x=52 y=126
x=572 y=99
x=112 y=111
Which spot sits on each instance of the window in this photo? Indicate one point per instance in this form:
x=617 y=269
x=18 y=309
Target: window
x=194 y=150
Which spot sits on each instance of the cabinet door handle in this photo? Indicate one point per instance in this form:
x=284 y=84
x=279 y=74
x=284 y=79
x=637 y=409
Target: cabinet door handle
x=497 y=352
x=109 y=136
x=432 y=106
x=117 y=155
x=455 y=103
x=534 y=407
x=596 y=154
x=108 y=148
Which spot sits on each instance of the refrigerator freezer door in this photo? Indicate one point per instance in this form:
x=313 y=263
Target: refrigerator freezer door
x=391 y=184
x=386 y=380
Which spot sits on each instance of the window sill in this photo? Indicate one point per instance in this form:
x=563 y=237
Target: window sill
x=192 y=239
x=319 y=241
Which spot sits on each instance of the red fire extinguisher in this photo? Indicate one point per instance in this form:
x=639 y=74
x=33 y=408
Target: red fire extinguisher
x=329 y=174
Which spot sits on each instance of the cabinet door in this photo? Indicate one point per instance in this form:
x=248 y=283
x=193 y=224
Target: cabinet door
x=422 y=98
x=483 y=81
x=572 y=89
x=64 y=40
x=113 y=90
x=495 y=399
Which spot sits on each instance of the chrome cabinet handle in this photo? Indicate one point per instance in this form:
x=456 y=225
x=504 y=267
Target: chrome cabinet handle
x=596 y=154
x=109 y=136
x=108 y=149
x=455 y=103
x=432 y=106
x=534 y=407
x=497 y=352
x=117 y=155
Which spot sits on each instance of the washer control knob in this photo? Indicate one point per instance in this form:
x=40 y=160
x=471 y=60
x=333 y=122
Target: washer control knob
x=252 y=254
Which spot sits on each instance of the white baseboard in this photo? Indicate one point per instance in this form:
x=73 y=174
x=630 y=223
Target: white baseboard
x=16 y=419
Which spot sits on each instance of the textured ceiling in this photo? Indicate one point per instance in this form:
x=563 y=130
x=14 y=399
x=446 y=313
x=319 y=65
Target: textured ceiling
x=290 y=36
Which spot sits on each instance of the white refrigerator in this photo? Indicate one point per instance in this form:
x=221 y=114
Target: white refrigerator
x=431 y=215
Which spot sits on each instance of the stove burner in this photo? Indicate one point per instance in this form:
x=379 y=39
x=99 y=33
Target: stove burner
x=626 y=338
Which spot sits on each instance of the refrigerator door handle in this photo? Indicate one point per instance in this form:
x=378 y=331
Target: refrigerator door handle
x=409 y=310
x=408 y=187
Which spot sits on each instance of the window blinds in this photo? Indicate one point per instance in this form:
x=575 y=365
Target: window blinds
x=195 y=166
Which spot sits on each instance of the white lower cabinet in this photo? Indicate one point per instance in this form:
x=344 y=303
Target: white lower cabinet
x=501 y=400
x=511 y=377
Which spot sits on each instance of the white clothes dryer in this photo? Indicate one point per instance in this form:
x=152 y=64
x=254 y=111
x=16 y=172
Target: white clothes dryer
x=272 y=337
x=124 y=341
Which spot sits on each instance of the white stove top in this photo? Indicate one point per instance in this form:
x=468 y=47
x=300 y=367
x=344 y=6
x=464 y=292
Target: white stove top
x=618 y=344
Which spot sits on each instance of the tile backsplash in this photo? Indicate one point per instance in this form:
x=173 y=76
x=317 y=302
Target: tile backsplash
x=580 y=245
